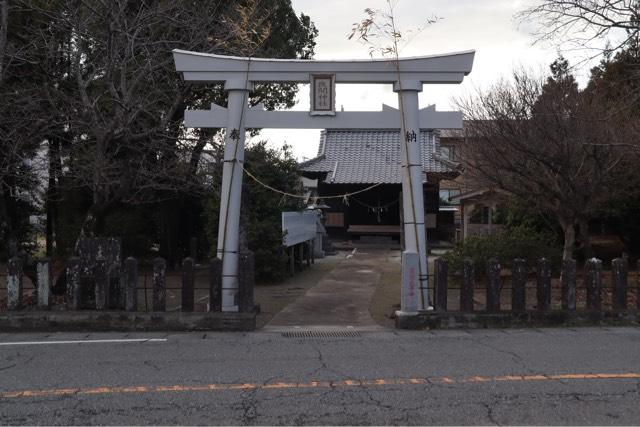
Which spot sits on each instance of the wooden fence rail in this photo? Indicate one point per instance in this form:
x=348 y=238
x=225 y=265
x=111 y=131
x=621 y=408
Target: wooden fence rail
x=493 y=286
x=115 y=287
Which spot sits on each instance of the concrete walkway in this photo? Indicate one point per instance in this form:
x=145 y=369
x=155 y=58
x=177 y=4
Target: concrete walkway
x=341 y=298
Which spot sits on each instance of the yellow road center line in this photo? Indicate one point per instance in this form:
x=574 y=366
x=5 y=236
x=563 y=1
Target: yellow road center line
x=313 y=384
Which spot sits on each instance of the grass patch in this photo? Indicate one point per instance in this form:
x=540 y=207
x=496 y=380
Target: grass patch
x=386 y=297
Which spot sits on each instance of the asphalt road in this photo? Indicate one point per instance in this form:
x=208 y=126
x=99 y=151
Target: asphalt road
x=552 y=376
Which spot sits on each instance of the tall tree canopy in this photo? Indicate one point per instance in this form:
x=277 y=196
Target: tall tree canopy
x=552 y=146
x=104 y=100
x=587 y=23
x=617 y=78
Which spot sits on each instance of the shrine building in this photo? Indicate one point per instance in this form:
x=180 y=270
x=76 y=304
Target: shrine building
x=349 y=161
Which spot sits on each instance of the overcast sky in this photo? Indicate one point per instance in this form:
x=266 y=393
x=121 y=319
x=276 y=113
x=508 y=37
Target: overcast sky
x=486 y=26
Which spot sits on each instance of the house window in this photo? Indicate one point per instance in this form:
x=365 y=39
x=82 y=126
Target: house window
x=446 y=195
x=480 y=215
x=448 y=152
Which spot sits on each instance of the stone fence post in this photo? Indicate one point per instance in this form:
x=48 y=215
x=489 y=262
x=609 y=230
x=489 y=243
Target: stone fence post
x=115 y=287
x=638 y=284
x=247 y=281
x=493 y=286
x=131 y=284
x=441 y=286
x=73 y=283
x=468 y=280
x=544 y=284
x=159 y=284
x=14 y=284
x=518 y=285
x=43 y=269
x=569 y=284
x=594 y=284
x=101 y=278
x=619 y=271
x=187 y=291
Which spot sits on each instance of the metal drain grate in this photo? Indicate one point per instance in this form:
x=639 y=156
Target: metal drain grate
x=321 y=334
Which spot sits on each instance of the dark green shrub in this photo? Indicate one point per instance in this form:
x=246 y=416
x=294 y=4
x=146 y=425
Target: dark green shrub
x=262 y=208
x=514 y=242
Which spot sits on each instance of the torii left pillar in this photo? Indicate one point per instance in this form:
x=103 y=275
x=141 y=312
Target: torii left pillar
x=231 y=192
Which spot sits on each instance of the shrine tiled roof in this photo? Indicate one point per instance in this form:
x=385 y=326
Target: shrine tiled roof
x=370 y=156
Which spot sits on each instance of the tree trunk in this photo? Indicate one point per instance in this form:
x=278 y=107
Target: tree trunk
x=206 y=136
x=569 y=239
x=7 y=231
x=585 y=239
x=170 y=221
x=52 y=193
x=93 y=224
x=4 y=31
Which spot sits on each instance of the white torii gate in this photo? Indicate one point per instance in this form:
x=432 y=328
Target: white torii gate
x=407 y=76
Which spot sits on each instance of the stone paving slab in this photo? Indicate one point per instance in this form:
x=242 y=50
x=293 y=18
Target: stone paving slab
x=341 y=298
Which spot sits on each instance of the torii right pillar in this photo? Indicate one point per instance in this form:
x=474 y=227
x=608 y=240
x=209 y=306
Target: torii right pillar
x=415 y=278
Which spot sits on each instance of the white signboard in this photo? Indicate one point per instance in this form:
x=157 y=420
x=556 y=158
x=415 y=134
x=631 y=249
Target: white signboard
x=298 y=227
x=323 y=95
x=410 y=299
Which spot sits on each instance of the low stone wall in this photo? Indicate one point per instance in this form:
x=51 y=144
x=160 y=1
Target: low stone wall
x=505 y=320
x=92 y=321
x=520 y=311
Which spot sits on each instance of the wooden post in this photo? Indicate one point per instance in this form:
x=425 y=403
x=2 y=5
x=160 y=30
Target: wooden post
x=544 y=284
x=159 y=285
x=215 y=285
x=131 y=284
x=594 y=284
x=312 y=244
x=638 y=284
x=301 y=254
x=493 y=286
x=569 y=284
x=193 y=249
x=115 y=289
x=73 y=283
x=247 y=282
x=467 y=210
x=401 y=204
x=14 y=284
x=466 y=293
x=441 y=277
x=187 y=285
x=43 y=268
x=619 y=271
x=101 y=283
x=518 y=285
x=292 y=260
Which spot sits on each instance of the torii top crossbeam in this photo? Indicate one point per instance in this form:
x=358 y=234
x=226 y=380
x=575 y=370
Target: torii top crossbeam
x=434 y=69
x=404 y=73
